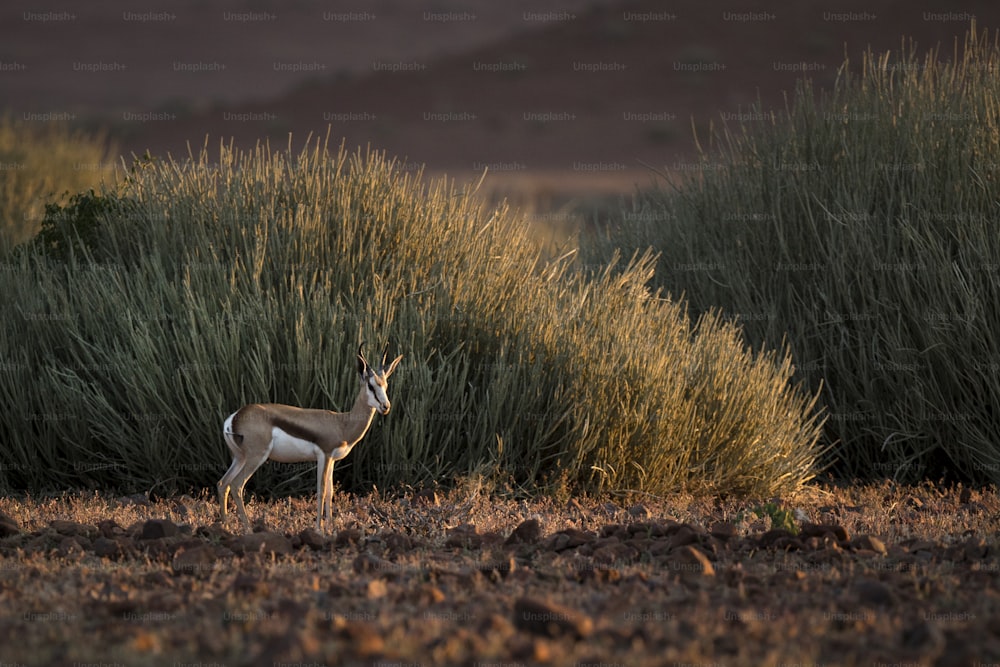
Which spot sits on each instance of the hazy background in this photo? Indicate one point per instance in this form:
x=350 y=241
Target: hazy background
x=560 y=100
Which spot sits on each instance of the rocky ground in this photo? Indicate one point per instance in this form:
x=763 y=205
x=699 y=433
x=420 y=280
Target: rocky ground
x=875 y=575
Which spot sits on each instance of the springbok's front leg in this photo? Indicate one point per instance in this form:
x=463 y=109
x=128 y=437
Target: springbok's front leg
x=322 y=463
x=328 y=490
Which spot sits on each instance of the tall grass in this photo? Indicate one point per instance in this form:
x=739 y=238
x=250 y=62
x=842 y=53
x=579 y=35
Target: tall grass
x=208 y=284
x=41 y=163
x=861 y=225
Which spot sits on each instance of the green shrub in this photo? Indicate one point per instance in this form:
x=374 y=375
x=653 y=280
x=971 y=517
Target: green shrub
x=208 y=286
x=860 y=225
x=41 y=163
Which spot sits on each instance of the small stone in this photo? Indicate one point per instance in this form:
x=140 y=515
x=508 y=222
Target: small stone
x=312 y=538
x=724 y=531
x=196 y=561
x=550 y=620
x=71 y=528
x=157 y=528
x=820 y=530
x=464 y=537
x=691 y=560
x=70 y=546
x=347 y=536
x=264 y=542
x=528 y=531
x=869 y=543
x=639 y=512
x=682 y=536
x=570 y=538
x=772 y=537
x=105 y=547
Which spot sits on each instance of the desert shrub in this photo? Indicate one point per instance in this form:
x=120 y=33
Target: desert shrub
x=860 y=225
x=208 y=285
x=42 y=163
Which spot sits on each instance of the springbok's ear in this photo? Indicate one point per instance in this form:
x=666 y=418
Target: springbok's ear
x=362 y=362
x=392 y=366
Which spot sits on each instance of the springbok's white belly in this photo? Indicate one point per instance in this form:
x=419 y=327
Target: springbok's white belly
x=286 y=448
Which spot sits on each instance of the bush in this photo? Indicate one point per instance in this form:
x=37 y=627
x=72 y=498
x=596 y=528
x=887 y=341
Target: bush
x=204 y=286
x=860 y=225
x=41 y=163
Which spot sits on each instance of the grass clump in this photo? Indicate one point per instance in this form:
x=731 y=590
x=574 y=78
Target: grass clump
x=203 y=285
x=41 y=164
x=860 y=226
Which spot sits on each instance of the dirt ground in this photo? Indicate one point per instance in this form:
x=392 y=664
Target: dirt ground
x=877 y=575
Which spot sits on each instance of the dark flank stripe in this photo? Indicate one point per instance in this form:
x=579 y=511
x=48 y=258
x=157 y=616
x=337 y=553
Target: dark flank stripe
x=297 y=430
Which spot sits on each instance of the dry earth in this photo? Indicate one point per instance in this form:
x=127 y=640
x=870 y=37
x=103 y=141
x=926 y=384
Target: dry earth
x=878 y=575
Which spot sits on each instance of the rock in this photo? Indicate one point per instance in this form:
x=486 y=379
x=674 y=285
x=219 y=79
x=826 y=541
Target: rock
x=397 y=542
x=690 y=560
x=548 y=619
x=157 y=528
x=683 y=535
x=724 y=530
x=197 y=561
x=771 y=538
x=263 y=542
x=105 y=547
x=869 y=543
x=617 y=553
x=528 y=531
x=110 y=528
x=639 y=511
x=71 y=546
x=647 y=529
x=312 y=538
x=808 y=530
x=347 y=536
x=463 y=537
x=8 y=526
x=71 y=528
x=571 y=538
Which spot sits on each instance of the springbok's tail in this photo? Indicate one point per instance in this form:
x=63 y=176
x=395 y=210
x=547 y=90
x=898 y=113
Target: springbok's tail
x=231 y=438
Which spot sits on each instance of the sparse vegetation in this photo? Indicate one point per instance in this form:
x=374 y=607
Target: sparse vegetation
x=149 y=311
x=859 y=226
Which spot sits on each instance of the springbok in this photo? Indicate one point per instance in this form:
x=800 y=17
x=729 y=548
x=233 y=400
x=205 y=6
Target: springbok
x=287 y=434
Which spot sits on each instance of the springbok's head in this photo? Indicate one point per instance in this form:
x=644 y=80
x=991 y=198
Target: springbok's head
x=374 y=380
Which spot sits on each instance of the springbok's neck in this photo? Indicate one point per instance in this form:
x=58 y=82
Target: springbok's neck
x=359 y=418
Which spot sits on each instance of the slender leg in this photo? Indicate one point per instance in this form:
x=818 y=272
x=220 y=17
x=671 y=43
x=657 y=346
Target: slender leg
x=224 y=485
x=320 y=489
x=328 y=496
x=250 y=466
